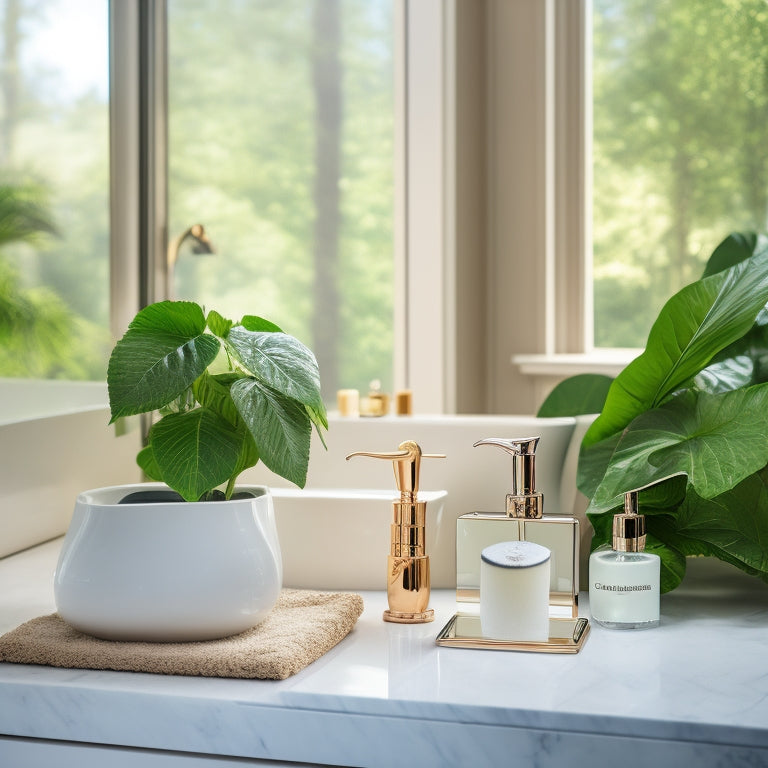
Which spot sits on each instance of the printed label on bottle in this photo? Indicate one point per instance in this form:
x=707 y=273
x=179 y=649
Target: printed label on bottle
x=623 y=587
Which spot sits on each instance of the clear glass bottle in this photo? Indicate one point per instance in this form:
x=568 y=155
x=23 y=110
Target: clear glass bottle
x=624 y=581
x=522 y=520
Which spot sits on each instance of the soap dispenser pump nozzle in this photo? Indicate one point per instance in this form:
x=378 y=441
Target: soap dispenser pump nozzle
x=406 y=462
x=629 y=526
x=524 y=501
x=408 y=580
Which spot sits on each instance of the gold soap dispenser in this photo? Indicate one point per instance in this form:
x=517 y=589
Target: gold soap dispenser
x=408 y=564
x=522 y=520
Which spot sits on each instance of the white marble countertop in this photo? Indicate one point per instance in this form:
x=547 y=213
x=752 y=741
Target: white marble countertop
x=696 y=688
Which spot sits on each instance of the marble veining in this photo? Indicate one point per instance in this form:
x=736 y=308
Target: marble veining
x=696 y=688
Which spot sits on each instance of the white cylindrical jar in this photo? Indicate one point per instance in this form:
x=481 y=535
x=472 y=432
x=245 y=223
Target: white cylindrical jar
x=514 y=591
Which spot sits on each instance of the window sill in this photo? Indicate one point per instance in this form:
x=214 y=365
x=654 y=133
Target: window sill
x=609 y=362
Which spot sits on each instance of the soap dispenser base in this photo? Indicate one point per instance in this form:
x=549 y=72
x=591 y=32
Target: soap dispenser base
x=399 y=617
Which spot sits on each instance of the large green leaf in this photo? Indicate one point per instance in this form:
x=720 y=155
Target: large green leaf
x=726 y=375
x=581 y=394
x=745 y=361
x=195 y=451
x=213 y=392
x=716 y=440
x=256 y=323
x=594 y=461
x=280 y=427
x=740 y=364
x=249 y=453
x=279 y=361
x=663 y=497
x=218 y=324
x=161 y=354
x=672 y=562
x=733 y=526
x=734 y=522
x=694 y=325
x=666 y=533
x=734 y=249
x=146 y=460
x=319 y=419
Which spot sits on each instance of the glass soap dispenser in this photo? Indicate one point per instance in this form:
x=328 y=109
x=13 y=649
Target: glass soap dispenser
x=624 y=581
x=522 y=520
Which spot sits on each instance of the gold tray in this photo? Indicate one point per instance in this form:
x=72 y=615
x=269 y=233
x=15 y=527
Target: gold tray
x=463 y=631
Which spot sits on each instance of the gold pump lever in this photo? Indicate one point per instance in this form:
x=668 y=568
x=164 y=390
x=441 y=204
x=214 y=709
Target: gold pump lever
x=406 y=463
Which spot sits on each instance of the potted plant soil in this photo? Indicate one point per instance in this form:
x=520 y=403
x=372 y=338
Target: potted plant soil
x=192 y=557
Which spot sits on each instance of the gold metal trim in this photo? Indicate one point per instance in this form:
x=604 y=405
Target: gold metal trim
x=563 y=519
x=400 y=617
x=556 y=599
x=463 y=631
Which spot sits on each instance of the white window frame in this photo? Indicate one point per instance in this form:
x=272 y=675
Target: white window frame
x=560 y=45
x=424 y=258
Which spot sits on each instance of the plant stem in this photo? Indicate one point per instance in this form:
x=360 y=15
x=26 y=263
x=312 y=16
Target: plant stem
x=230 y=487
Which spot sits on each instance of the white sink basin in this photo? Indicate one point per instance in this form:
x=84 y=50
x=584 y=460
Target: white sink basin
x=340 y=538
x=351 y=538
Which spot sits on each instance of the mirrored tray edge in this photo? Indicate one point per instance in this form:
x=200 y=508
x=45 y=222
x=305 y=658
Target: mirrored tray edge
x=463 y=631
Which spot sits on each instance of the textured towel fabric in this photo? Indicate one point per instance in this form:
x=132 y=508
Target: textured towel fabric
x=301 y=627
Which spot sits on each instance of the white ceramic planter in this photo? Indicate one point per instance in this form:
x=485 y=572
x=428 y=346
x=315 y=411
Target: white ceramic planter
x=169 y=571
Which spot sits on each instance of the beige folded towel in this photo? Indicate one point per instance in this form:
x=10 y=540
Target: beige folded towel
x=302 y=626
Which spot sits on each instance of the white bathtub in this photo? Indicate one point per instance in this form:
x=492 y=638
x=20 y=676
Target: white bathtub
x=54 y=443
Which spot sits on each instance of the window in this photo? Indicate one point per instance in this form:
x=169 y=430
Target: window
x=395 y=134
x=281 y=137
x=54 y=190
x=680 y=154
x=638 y=135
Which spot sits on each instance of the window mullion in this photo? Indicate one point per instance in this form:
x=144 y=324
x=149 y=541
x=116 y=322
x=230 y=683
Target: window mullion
x=138 y=151
x=153 y=150
x=429 y=335
x=124 y=163
x=572 y=108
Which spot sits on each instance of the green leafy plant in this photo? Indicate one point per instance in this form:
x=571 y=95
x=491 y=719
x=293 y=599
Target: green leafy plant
x=229 y=394
x=692 y=413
